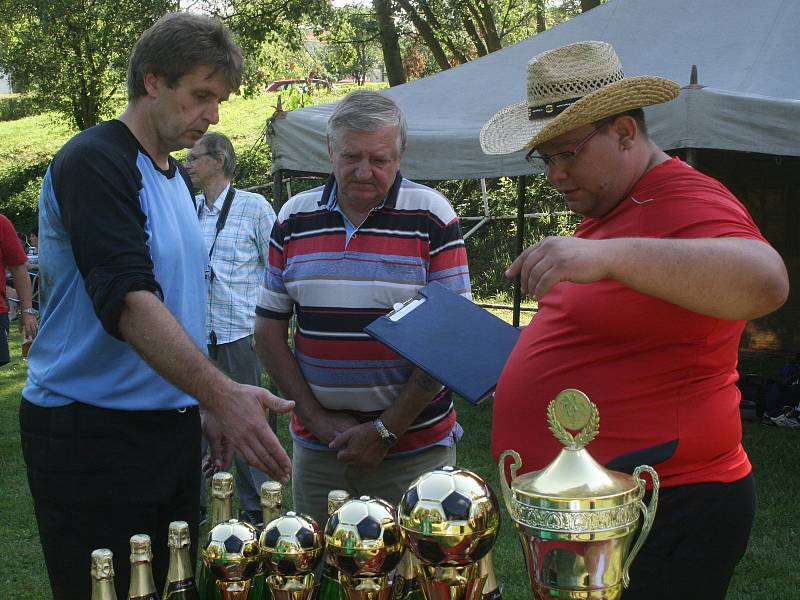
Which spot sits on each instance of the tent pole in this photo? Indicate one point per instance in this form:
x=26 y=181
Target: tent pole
x=521 y=182
x=277 y=190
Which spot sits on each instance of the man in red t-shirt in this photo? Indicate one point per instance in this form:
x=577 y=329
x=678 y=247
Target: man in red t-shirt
x=642 y=309
x=13 y=258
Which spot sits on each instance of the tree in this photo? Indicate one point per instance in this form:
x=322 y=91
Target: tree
x=390 y=44
x=278 y=23
x=73 y=54
x=351 y=43
x=456 y=31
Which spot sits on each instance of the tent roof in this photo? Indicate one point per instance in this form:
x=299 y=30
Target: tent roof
x=746 y=53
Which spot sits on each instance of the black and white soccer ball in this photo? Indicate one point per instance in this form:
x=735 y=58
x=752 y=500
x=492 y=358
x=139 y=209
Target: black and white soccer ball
x=449 y=517
x=231 y=551
x=291 y=544
x=363 y=538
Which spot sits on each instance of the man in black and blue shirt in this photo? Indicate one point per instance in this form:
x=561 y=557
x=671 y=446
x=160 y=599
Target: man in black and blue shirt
x=110 y=422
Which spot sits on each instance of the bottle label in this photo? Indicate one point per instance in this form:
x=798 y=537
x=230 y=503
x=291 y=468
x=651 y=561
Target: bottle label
x=181 y=590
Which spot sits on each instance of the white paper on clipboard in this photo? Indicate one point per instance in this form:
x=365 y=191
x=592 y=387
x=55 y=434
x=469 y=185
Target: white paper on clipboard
x=401 y=309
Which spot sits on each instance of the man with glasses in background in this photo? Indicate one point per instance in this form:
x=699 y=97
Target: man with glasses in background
x=236 y=226
x=642 y=309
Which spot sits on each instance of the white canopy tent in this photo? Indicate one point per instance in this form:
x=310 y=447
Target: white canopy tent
x=747 y=54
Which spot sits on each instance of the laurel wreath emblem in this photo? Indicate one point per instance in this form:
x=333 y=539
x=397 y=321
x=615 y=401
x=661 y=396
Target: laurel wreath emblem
x=586 y=435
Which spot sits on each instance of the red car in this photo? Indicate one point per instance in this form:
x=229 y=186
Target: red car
x=282 y=84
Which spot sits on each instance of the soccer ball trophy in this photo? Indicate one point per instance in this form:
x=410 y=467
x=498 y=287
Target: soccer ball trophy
x=450 y=519
x=291 y=548
x=363 y=539
x=233 y=557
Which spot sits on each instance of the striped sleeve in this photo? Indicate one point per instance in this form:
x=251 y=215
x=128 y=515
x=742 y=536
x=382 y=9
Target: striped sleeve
x=448 y=254
x=273 y=299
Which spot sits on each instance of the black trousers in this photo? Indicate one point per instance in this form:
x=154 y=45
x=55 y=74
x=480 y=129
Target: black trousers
x=699 y=535
x=99 y=476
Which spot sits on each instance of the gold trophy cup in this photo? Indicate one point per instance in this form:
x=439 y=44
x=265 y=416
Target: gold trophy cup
x=363 y=540
x=450 y=520
x=576 y=519
x=291 y=548
x=233 y=557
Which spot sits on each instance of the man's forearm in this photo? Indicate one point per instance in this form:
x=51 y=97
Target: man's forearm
x=272 y=348
x=22 y=284
x=418 y=392
x=728 y=278
x=162 y=342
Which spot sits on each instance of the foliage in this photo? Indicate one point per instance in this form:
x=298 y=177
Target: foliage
x=16 y=106
x=352 y=46
x=264 y=26
x=73 y=55
x=493 y=247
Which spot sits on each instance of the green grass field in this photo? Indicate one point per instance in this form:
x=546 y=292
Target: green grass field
x=768 y=571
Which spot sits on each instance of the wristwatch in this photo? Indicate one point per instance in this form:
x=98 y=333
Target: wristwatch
x=387 y=437
x=28 y=311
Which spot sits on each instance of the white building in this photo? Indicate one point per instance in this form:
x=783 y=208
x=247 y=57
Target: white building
x=5 y=84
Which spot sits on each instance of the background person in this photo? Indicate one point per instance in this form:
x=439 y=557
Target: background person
x=237 y=255
x=109 y=419
x=341 y=256
x=642 y=309
x=13 y=259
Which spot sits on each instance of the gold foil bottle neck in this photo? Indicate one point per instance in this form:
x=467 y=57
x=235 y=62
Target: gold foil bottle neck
x=335 y=499
x=102 y=564
x=141 y=550
x=271 y=494
x=178 y=536
x=222 y=485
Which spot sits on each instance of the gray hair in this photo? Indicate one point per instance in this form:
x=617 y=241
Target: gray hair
x=215 y=143
x=178 y=43
x=366 y=110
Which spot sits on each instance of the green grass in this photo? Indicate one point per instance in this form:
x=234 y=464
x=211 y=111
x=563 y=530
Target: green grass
x=768 y=571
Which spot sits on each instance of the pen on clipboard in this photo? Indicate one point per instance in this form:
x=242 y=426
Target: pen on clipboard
x=401 y=309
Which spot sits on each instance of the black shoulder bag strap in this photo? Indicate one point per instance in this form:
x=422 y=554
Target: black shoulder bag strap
x=221 y=219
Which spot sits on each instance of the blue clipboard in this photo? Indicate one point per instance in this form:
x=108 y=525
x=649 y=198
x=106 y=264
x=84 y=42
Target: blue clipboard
x=455 y=341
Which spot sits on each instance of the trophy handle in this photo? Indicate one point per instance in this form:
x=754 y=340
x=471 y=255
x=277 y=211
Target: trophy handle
x=501 y=463
x=648 y=513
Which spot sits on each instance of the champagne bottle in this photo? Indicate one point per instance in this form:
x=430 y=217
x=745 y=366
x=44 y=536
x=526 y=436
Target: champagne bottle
x=405 y=585
x=142 y=586
x=103 y=575
x=492 y=590
x=221 y=510
x=330 y=587
x=180 y=583
x=271 y=508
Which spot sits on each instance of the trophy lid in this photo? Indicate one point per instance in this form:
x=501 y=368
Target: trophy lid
x=574 y=480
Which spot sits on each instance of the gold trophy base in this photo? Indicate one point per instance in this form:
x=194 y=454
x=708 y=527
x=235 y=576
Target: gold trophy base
x=451 y=583
x=367 y=588
x=234 y=590
x=285 y=587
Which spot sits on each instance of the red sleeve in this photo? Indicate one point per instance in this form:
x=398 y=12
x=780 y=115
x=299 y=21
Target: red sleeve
x=11 y=251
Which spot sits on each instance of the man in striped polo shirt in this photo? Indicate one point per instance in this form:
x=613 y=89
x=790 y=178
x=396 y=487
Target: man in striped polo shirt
x=340 y=256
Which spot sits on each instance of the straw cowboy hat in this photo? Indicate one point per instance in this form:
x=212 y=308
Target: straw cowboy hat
x=570 y=87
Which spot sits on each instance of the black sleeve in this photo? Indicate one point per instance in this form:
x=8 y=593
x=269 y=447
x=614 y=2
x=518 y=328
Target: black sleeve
x=97 y=185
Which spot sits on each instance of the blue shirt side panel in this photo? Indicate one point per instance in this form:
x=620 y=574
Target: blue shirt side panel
x=74 y=358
